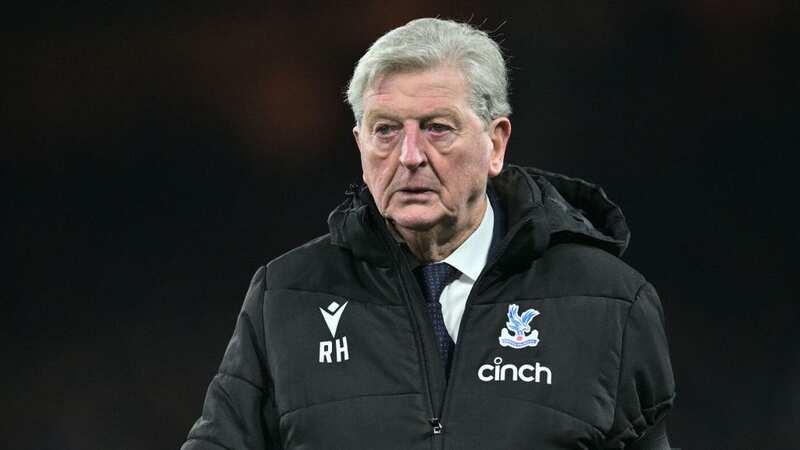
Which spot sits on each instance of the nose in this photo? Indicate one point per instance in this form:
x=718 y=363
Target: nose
x=412 y=151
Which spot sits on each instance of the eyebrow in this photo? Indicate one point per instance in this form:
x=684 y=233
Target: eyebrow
x=444 y=112
x=374 y=116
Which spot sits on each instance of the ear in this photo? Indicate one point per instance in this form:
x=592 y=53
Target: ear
x=356 y=134
x=499 y=132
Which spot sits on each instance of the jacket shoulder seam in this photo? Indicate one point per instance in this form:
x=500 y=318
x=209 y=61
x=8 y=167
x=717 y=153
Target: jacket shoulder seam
x=304 y=246
x=557 y=297
x=310 y=291
x=605 y=297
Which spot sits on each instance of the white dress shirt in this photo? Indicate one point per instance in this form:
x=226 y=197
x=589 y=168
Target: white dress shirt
x=469 y=258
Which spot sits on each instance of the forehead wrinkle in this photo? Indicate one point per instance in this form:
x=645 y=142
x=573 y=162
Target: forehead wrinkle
x=448 y=86
x=416 y=95
x=390 y=88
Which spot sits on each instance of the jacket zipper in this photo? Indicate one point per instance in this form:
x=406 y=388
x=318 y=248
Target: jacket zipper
x=435 y=420
x=436 y=426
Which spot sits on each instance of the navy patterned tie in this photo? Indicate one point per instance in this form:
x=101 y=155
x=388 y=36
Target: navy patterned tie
x=434 y=278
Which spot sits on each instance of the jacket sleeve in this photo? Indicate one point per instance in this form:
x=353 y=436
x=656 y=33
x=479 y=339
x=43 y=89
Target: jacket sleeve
x=646 y=388
x=237 y=399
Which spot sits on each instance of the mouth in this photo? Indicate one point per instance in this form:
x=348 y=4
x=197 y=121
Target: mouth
x=415 y=194
x=415 y=190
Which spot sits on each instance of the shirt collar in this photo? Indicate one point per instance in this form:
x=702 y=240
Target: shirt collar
x=470 y=257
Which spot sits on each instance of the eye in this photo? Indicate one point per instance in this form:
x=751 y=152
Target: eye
x=438 y=128
x=384 y=130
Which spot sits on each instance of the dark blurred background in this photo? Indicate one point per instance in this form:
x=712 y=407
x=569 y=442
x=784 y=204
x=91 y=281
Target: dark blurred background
x=157 y=154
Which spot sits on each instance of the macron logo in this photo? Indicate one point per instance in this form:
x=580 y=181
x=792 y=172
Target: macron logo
x=332 y=316
x=335 y=350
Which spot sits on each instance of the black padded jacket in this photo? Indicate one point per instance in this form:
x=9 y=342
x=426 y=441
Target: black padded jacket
x=333 y=348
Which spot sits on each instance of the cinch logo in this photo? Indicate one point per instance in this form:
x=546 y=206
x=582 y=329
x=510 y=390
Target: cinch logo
x=526 y=372
x=521 y=327
x=326 y=348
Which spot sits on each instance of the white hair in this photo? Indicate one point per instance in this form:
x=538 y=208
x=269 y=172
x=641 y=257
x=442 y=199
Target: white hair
x=429 y=43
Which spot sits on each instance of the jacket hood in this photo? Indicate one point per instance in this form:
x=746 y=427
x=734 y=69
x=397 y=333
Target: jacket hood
x=541 y=209
x=580 y=211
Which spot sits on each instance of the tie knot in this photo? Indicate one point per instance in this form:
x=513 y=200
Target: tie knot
x=435 y=277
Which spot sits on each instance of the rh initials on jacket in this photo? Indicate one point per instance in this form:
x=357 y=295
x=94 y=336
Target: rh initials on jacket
x=561 y=344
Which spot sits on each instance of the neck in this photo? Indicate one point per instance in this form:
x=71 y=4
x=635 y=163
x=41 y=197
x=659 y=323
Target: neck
x=438 y=242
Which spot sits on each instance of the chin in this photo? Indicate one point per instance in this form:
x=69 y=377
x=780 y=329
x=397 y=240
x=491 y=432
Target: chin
x=415 y=218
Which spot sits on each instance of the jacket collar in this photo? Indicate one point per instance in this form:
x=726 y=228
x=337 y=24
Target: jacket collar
x=540 y=209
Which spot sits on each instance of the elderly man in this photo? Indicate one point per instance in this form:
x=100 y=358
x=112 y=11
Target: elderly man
x=454 y=304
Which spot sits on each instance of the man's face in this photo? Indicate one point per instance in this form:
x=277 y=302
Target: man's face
x=425 y=154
